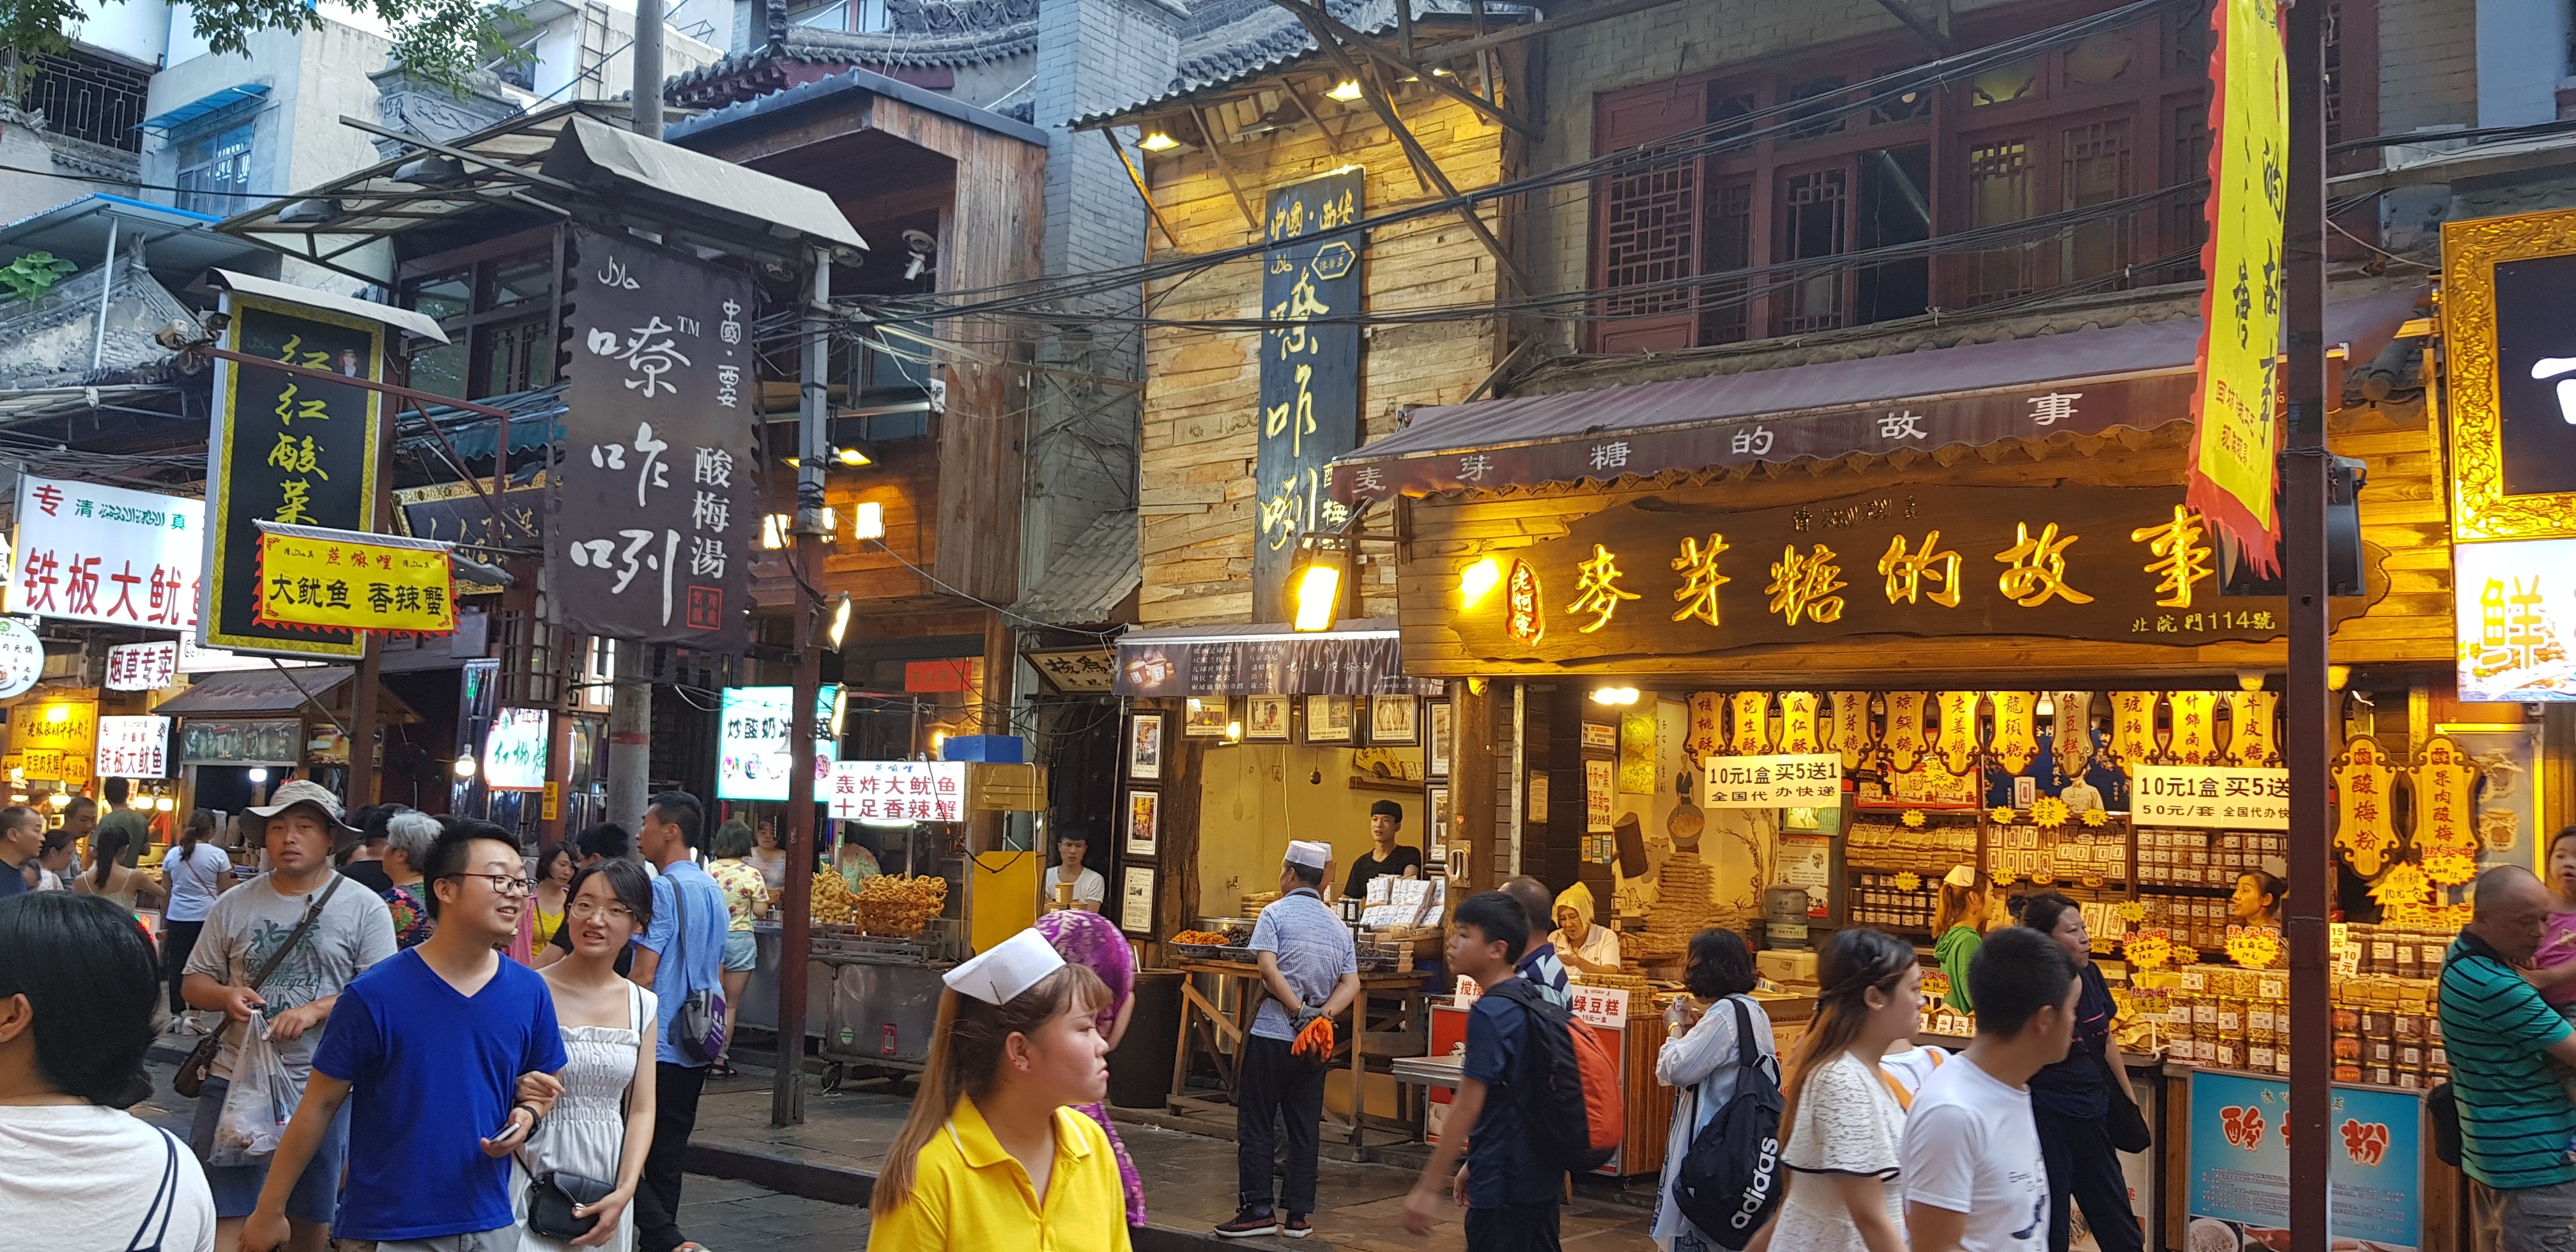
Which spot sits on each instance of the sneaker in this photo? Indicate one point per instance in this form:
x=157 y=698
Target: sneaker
x=1296 y=1227
x=1249 y=1223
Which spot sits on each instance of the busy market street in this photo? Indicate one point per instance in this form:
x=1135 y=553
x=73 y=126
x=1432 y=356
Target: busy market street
x=1433 y=625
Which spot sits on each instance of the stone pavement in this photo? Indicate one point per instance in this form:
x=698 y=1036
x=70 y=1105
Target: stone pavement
x=729 y=1215
x=1189 y=1178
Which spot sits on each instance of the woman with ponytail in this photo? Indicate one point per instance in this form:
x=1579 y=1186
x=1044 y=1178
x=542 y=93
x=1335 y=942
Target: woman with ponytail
x=995 y=1154
x=1844 y=1117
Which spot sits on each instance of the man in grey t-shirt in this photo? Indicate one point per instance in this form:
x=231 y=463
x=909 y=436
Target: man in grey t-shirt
x=248 y=925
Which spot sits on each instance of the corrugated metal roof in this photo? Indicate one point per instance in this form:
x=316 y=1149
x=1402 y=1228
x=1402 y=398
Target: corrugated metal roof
x=256 y=691
x=1229 y=41
x=1086 y=583
x=624 y=164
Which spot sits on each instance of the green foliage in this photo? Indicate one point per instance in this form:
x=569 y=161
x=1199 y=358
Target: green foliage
x=32 y=275
x=441 y=41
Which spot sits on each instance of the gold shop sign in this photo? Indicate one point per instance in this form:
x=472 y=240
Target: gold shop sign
x=2125 y=564
x=2508 y=297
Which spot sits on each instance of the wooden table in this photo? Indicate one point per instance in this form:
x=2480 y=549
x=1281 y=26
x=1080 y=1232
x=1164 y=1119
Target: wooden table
x=1387 y=1035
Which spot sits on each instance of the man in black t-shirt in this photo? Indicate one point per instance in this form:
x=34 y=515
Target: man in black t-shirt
x=1386 y=817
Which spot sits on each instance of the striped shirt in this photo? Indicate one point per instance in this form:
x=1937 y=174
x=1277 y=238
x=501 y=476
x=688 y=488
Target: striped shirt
x=1314 y=950
x=2515 y=1119
x=1540 y=966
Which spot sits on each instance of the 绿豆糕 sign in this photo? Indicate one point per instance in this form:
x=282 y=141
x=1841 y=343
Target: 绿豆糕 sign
x=653 y=516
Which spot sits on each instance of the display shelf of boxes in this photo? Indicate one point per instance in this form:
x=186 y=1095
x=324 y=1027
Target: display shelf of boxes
x=1880 y=846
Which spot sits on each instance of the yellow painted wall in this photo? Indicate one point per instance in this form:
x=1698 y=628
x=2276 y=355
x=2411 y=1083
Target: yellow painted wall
x=1255 y=797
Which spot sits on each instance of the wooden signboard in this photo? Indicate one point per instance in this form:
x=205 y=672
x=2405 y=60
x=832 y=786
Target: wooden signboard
x=2104 y=563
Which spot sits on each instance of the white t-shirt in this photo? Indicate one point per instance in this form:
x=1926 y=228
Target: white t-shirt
x=1910 y=1067
x=195 y=880
x=1970 y=1148
x=1847 y=1123
x=1600 y=945
x=81 y=1176
x=1088 y=886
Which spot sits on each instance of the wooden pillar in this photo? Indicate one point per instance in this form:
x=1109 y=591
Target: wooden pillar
x=1476 y=788
x=1177 y=846
x=362 y=713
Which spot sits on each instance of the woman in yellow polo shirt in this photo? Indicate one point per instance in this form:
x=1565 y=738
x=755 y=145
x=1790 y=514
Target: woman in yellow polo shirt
x=994 y=1154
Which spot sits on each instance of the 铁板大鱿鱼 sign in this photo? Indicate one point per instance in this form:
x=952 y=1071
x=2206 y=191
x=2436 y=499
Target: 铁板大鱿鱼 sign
x=337 y=581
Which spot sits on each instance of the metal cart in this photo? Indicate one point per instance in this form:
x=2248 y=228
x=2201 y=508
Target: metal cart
x=884 y=999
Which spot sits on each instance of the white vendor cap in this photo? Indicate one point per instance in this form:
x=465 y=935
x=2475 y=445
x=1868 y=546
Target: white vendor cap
x=1960 y=876
x=1310 y=853
x=1000 y=973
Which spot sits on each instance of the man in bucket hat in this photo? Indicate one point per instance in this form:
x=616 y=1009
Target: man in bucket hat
x=350 y=932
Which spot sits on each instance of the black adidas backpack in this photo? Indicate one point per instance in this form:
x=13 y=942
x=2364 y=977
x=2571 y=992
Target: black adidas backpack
x=1730 y=1180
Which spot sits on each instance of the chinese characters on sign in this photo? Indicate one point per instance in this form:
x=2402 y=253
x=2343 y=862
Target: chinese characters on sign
x=2514 y=609
x=653 y=508
x=2125 y=564
x=2209 y=797
x=1603 y=1008
x=338 y=579
x=2232 y=410
x=752 y=757
x=143 y=666
x=288 y=448
x=1772 y=782
x=514 y=750
x=104 y=554
x=134 y=747
x=1310 y=373
x=897 y=791
x=22 y=658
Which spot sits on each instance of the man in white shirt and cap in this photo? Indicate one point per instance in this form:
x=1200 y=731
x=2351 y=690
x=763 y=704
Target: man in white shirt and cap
x=1310 y=969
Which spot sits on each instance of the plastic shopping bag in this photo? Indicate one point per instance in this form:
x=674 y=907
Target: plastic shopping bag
x=258 y=1103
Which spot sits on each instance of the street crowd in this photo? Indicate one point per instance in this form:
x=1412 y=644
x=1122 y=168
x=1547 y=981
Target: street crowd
x=518 y=1066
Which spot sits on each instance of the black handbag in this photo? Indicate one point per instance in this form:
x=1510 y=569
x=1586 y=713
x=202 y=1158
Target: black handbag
x=552 y=1197
x=2128 y=1126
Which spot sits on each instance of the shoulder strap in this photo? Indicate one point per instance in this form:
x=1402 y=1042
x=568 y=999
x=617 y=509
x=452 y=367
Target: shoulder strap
x=1904 y=1098
x=311 y=912
x=680 y=901
x=1745 y=1055
x=165 y=1200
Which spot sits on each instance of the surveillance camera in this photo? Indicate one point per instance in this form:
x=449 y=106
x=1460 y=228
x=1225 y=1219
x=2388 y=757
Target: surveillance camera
x=922 y=246
x=176 y=333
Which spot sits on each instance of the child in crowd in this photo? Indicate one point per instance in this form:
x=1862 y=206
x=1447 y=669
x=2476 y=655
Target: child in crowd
x=1510 y=1194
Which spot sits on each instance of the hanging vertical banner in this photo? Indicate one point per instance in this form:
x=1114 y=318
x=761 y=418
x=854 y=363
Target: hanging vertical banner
x=287 y=448
x=653 y=503
x=1310 y=373
x=2232 y=473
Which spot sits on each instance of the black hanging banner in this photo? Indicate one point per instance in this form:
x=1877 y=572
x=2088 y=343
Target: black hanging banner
x=286 y=448
x=653 y=504
x=1310 y=373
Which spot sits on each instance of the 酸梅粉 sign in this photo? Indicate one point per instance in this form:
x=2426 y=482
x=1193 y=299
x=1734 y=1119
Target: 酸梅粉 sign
x=134 y=747
x=288 y=448
x=345 y=581
x=88 y=553
x=897 y=791
x=654 y=520
x=143 y=666
x=2240 y=307
x=2240 y=1159
x=22 y=658
x=1310 y=373
x=1772 y=782
x=1655 y=577
x=205 y=741
x=2209 y=797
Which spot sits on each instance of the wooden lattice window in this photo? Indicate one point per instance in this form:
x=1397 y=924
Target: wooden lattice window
x=2000 y=192
x=1649 y=239
x=2093 y=168
x=1814 y=209
x=1726 y=235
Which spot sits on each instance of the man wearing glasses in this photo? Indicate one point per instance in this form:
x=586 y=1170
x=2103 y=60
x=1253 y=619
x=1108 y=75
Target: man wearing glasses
x=448 y=1055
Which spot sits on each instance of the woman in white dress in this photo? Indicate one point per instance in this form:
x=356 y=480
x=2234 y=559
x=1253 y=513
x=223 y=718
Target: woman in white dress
x=602 y=1127
x=1844 y=1123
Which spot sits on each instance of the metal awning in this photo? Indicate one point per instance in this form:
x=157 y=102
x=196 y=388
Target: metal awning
x=176 y=245
x=1363 y=657
x=2138 y=376
x=560 y=163
x=420 y=324
x=1085 y=583
x=253 y=693
x=206 y=110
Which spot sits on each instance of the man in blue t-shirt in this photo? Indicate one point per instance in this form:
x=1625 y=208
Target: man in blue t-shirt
x=1511 y=1196
x=678 y=954
x=434 y=1046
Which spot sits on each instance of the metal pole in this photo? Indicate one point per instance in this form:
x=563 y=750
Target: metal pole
x=2304 y=470
x=362 y=711
x=106 y=285
x=647 y=113
x=795 y=941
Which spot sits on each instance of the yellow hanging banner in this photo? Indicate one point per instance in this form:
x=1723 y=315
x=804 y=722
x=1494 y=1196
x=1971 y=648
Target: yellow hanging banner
x=2232 y=468
x=316 y=579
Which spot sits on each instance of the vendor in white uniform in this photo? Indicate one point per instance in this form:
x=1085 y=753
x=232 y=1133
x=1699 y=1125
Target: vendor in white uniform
x=1089 y=888
x=1582 y=945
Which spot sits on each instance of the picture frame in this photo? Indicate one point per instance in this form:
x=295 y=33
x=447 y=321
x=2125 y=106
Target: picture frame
x=1437 y=837
x=1144 y=822
x=1328 y=719
x=1145 y=747
x=1440 y=738
x=1205 y=717
x=1266 y=718
x=1136 y=901
x=1395 y=720
x=2510 y=475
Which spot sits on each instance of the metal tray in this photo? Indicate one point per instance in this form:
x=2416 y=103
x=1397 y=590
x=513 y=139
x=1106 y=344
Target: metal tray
x=1216 y=952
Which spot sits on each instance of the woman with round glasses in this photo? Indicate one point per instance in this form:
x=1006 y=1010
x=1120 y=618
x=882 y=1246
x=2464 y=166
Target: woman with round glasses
x=602 y=1126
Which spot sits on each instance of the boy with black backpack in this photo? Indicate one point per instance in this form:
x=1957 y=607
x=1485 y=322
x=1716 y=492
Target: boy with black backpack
x=1510 y=1184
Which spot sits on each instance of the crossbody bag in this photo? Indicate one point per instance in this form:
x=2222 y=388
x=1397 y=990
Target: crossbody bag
x=191 y=1076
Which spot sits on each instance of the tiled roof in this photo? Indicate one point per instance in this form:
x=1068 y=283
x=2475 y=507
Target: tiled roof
x=1229 y=41
x=1084 y=584
x=928 y=35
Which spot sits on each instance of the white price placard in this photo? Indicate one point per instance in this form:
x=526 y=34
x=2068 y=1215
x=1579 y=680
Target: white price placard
x=1772 y=782
x=2209 y=797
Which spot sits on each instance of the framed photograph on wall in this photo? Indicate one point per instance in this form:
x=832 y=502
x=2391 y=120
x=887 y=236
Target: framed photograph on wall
x=1442 y=734
x=1265 y=717
x=1395 y=720
x=1206 y=717
x=1438 y=835
x=1145 y=747
x=1144 y=822
x=1136 y=901
x=1328 y=719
